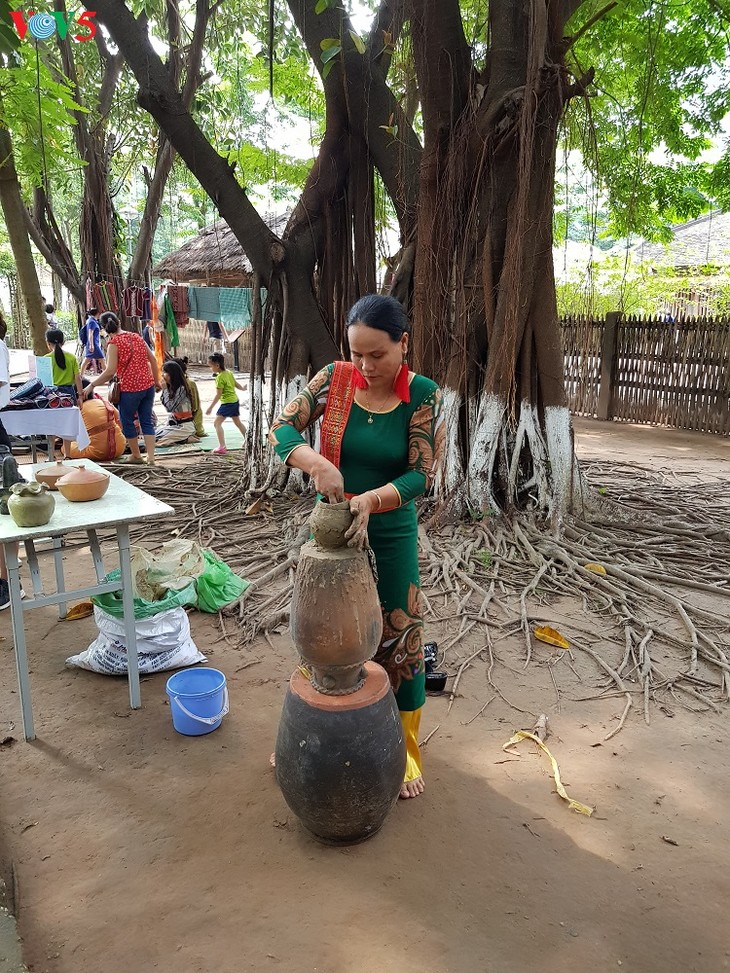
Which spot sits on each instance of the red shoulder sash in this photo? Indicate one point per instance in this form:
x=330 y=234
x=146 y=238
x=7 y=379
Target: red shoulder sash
x=337 y=411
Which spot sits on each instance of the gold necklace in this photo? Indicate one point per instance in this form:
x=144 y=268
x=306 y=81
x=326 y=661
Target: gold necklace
x=370 y=411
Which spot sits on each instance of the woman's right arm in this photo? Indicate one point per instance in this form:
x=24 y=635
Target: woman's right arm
x=286 y=437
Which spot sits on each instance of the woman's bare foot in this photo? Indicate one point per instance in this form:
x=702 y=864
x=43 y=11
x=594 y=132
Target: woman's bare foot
x=412 y=788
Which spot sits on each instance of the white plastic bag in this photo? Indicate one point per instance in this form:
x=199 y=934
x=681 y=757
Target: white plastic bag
x=172 y=567
x=163 y=642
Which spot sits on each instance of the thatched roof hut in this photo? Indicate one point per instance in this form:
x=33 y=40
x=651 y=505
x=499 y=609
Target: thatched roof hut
x=701 y=242
x=214 y=258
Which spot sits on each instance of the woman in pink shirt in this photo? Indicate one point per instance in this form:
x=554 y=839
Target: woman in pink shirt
x=139 y=376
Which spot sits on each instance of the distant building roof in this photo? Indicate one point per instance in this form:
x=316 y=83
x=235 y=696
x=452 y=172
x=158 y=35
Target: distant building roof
x=705 y=240
x=213 y=257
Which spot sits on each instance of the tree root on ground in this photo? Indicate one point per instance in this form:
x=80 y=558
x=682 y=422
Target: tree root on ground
x=654 y=625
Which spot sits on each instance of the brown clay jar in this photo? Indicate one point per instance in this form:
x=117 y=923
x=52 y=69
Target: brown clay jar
x=51 y=473
x=80 y=484
x=328 y=523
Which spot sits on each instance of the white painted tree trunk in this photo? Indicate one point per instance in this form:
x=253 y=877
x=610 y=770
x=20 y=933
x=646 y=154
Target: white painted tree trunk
x=497 y=459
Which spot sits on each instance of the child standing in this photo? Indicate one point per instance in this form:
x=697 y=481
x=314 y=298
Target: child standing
x=226 y=385
x=93 y=354
x=65 y=366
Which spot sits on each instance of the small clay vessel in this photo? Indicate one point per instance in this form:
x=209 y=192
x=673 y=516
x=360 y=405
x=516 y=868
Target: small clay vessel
x=50 y=473
x=340 y=760
x=328 y=523
x=30 y=504
x=81 y=484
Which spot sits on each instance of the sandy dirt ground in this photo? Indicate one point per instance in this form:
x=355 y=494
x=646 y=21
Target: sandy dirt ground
x=136 y=849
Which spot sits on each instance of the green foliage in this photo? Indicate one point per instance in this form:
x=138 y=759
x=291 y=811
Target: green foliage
x=9 y=40
x=40 y=120
x=661 y=92
x=484 y=557
x=614 y=285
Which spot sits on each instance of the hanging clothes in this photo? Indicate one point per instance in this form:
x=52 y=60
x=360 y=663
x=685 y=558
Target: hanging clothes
x=235 y=306
x=168 y=316
x=159 y=330
x=204 y=303
x=147 y=304
x=178 y=294
x=133 y=301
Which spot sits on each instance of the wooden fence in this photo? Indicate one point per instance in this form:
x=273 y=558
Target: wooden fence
x=650 y=370
x=195 y=344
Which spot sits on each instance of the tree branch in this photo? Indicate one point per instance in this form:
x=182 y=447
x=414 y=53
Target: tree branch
x=574 y=38
x=159 y=97
x=443 y=63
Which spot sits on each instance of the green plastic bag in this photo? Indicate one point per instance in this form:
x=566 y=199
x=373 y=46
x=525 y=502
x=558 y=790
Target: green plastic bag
x=111 y=601
x=217 y=585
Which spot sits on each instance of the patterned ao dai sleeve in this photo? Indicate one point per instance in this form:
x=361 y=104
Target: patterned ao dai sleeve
x=425 y=447
x=285 y=434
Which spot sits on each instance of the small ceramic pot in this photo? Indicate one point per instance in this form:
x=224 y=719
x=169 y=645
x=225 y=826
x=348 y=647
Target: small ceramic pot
x=30 y=504
x=50 y=473
x=328 y=523
x=80 y=484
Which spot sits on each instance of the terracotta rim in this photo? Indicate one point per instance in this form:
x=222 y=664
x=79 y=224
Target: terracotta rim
x=377 y=685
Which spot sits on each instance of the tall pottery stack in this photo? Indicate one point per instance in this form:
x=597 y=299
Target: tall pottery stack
x=340 y=750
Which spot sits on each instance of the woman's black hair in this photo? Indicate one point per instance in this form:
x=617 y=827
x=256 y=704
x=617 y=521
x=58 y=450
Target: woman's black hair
x=183 y=363
x=177 y=375
x=382 y=313
x=109 y=322
x=56 y=337
x=93 y=311
x=218 y=359
x=50 y=309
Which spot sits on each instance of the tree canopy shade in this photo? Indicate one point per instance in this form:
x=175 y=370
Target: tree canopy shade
x=456 y=110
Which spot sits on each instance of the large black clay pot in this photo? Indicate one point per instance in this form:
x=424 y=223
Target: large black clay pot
x=340 y=760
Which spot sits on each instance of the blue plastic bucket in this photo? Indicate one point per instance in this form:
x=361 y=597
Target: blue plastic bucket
x=198 y=700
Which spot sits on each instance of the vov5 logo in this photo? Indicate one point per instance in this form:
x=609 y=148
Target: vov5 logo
x=41 y=26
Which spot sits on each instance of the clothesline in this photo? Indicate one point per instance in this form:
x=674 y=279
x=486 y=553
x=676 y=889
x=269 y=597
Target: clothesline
x=231 y=306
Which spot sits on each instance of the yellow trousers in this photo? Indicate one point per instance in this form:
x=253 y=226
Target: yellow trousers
x=411 y=722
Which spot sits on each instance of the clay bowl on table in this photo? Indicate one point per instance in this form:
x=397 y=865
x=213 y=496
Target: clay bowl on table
x=51 y=473
x=81 y=484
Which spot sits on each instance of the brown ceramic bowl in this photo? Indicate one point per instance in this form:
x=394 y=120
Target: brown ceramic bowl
x=51 y=473
x=81 y=484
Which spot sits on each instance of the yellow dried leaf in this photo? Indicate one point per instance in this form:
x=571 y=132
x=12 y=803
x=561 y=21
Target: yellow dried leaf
x=552 y=636
x=524 y=735
x=595 y=568
x=82 y=610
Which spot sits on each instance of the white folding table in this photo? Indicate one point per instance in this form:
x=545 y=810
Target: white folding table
x=121 y=506
x=67 y=423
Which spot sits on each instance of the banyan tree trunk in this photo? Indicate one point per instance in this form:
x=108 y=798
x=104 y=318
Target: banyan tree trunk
x=484 y=294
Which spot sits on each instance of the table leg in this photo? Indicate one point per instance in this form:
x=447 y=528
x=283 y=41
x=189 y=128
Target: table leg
x=130 y=631
x=34 y=568
x=96 y=555
x=60 y=584
x=21 y=654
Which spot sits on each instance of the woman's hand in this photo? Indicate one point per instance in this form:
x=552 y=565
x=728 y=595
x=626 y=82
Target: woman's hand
x=88 y=392
x=361 y=507
x=328 y=480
